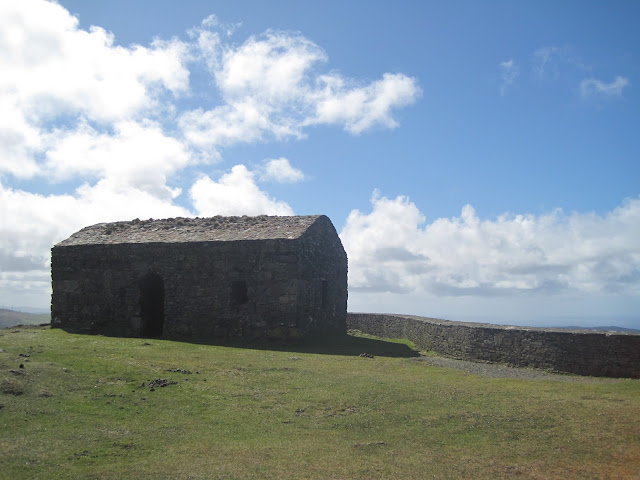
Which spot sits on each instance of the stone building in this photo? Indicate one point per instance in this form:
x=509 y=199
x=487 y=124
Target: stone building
x=212 y=277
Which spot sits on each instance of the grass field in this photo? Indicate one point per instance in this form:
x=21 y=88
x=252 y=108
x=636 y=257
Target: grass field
x=95 y=407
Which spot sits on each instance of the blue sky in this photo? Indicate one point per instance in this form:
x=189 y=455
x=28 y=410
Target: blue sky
x=479 y=159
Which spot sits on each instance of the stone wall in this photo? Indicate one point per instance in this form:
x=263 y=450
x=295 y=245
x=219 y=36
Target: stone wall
x=323 y=278
x=244 y=288
x=582 y=352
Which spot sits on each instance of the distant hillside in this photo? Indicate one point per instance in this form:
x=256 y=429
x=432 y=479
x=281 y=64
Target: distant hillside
x=10 y=318
x=605 y=329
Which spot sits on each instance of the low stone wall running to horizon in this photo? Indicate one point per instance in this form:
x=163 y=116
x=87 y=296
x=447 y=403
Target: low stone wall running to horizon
x=583 y=352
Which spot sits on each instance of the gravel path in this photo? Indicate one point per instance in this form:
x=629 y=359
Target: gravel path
x=495 y=370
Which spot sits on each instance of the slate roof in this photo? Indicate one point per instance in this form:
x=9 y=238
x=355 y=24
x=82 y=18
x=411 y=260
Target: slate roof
x=182 y=230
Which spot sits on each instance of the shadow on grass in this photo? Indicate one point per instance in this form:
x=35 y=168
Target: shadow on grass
x=337 y=344
x=345 y=344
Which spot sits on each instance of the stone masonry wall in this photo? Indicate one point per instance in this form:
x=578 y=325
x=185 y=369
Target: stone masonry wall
x=204 y=277
x=96 y=288
x=323 y=274
x=582 y=352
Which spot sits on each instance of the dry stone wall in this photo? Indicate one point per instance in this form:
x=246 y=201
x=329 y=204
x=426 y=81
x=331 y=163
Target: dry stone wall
x=582 y=352
x=199 y=278
x=322 y=287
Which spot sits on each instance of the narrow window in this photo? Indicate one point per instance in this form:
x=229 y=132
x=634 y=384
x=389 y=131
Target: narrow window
x=239 y=292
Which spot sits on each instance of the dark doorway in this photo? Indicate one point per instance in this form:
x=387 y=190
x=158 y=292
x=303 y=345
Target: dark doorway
x=152 y=305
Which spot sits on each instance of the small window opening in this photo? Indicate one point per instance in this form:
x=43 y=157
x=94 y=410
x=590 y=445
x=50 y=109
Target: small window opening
x=152 y=305
x=239 y=292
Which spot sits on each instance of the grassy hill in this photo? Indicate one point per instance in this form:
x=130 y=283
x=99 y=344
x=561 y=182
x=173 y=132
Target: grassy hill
x=11 y=318
x=76 y=406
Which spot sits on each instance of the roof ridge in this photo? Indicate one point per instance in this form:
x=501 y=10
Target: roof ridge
x=193 y=229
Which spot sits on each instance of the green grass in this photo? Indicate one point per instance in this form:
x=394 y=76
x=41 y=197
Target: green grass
x=78 y=409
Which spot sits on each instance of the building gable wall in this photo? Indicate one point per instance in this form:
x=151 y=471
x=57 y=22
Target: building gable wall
x=323 y=274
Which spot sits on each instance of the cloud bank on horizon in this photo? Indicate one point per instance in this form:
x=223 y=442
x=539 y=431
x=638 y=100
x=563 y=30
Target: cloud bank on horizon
x=93 y=131
x=393 y=250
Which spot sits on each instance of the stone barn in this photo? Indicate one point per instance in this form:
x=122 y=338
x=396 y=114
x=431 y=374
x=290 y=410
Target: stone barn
x=218 y=277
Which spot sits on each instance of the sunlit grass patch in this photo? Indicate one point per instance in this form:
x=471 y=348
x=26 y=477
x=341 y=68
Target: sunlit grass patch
x=104 y=407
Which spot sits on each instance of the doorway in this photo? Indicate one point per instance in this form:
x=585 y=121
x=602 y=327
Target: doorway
x=152 y=305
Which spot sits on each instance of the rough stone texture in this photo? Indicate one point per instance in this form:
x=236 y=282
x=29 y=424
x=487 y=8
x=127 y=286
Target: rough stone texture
x=209 y=277
x=190 y=230
x=583 y=352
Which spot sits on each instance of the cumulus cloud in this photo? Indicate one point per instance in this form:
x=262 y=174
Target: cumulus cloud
x=590 y=87
x=508 y=73
x=360 y=108
x=77 y=108
x=51 y=67
x=54 y=73
x=20 y=142
x=391 y=249
x=137 y=154
x=235 y=193
x=280 y=170
x=273 y=68
x=271 y=87
x=114 y=127
x=65 y=90
x=224 y=125
x=32 y=223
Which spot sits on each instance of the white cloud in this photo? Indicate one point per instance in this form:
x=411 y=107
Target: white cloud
x=239 y=122
x=32 y=223
x=62 y=86
x=19 y=142
x=50 y=66
x=77 y=108
x=590 y=87
x=54 y=74
x=235 y=193
x=360 y=108
x=508 y=73
x=136 y=154
x=280 y=170
x=270 y=87
x=391 y=250
x=274 y=68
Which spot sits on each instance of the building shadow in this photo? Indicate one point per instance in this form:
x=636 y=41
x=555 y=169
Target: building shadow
x=334 y=344
x=340 y=344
